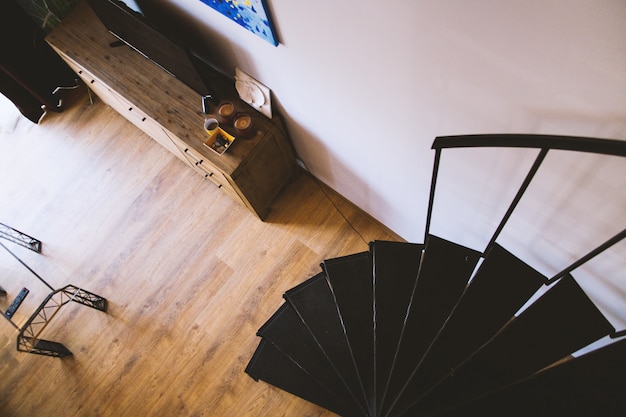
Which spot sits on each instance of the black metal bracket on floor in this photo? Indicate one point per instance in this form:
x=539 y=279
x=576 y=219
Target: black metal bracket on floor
x=22 y=239
x=28 y=338
x=46 y=348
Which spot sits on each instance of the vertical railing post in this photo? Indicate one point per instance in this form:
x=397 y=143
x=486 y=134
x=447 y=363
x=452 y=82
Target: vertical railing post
x=518 y=197
x=612 y=241
x=431 y=199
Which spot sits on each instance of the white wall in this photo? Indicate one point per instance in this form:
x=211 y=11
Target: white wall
x=366 y=86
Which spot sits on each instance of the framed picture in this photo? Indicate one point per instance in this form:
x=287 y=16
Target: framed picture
x=250 y=14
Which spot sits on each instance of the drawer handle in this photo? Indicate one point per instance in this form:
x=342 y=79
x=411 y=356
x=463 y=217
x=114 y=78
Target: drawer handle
x=143 y=119
x=92 y=81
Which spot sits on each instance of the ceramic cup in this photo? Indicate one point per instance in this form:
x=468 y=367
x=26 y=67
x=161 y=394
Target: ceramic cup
x=211 y=124
x=244 y=126
x=226 y=112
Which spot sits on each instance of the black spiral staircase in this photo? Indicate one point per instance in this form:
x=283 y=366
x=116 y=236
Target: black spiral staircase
x=429 y=329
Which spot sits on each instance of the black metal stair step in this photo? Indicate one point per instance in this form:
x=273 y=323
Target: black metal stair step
x=270 y=365
x=590 y=385
x=395 y=266
x=558 y=324
x=314 y=303
x=451 y=348
x=350 y=280
x=445 y=270
x=501 y=286
x=401 y=332
x=288 y=334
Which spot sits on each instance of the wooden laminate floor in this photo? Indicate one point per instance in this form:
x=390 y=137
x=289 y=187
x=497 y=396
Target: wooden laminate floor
x=189 y=274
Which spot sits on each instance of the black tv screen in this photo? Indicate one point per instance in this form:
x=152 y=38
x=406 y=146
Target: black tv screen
x=129 y=22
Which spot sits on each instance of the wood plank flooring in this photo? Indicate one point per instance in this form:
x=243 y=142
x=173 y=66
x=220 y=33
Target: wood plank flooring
x=189 y=274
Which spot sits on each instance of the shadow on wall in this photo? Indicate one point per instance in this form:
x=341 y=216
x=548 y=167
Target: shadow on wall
x=592 y=123
x=311 y=148
x=209 y=43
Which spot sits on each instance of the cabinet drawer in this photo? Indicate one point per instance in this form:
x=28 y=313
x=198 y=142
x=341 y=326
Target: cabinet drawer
x=206 y=168
x=144 y=122
x=218 y=180
x=233 y=194
x=252 y=174
x=94 y=85
x=133 y=114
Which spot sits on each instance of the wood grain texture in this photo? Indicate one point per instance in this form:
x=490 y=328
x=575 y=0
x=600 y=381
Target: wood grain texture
x=253 y=170
x=189 y=274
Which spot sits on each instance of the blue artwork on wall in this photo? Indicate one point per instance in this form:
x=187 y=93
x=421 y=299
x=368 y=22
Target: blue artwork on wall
x=251 y=14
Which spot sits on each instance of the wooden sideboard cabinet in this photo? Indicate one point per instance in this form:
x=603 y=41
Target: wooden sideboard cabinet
x=252 y=171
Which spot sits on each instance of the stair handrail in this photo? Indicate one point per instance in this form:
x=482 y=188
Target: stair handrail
x=515 y=140
x=544 y=143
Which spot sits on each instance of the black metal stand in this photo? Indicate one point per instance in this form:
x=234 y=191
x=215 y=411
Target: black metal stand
x=20 y=238
x=28 y=339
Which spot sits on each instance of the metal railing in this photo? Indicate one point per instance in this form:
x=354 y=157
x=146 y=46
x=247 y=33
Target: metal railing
x=544 y=144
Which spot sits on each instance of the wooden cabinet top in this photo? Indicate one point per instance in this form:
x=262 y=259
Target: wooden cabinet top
x=82 y=37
